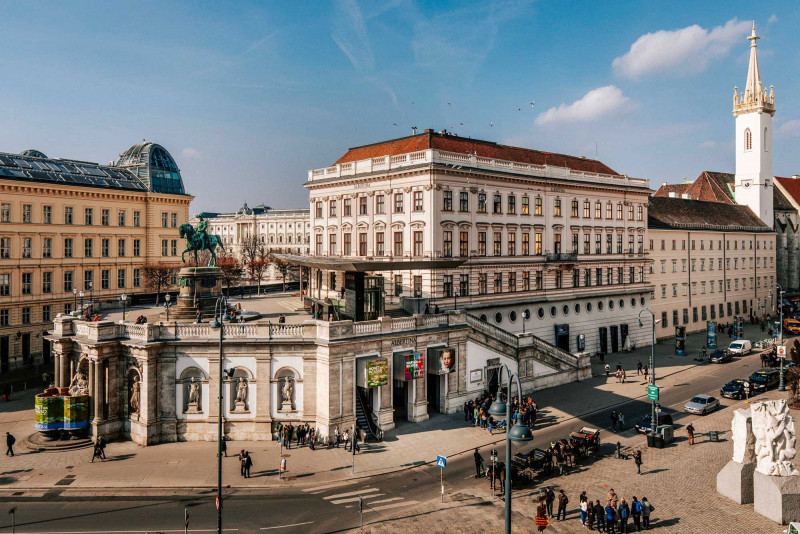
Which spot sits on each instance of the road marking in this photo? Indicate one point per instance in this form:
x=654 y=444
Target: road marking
x=287 y=526
x=386 y=500
x=320 y=489
x=388 y=506
x=355 y=499
x=350 y=494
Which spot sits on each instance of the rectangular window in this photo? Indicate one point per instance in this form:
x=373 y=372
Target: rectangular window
x=526 y=206
x=67 y=281
x=398 y=202
x=598 y=244
x=26 y=247
x=587 y=277
x=664 y=319
x=526 y=244
x=463 y=244
x=418 y=206
x=586 y=209
x=5 y=247
x=576 y=278
x=26 y=315
x=88 y=216
x=88 y=245
x=5 y=285
x=173 y=220
x=447 y=285
x=47 y=282
x=120 y=278
x=88 y=280
x=447 y=201
x=347 y=243
x=121 y=248
x=537 y=206
x=137 y=247
x=574 y=209
x=137 y=277
x=598 y=276
x=362 y=205
x=463 y=201
x=512 y=244
x=47 y=214
x=47 y=247
x=120 y=218
x=557 y=207
x=639 y=213
x=587 y=243
x=482 y=290
x=332 y=244
x=526 y=280
x=539 y=280
x=537 y=244
x=105 y=216
x=46 y=313
x=685 y=316
x=165 y=220
x=512 y=204
x=609 y=243
x=512 y=281
x=481 y=243
x=5 y=212
x=173 y=247
x=463 y=285
x=418 y=244
x=619 y=211
x=137 y=218
x=347 y=207
x=417 y=286
x=379 y=209
x=498 y=244
x=379 y=244
x=481 y=202
x=26 y=283
x=104 y=247
x=598 y=210
x=498 y=282
x=317 y=210
x=398 y=243
x=497 y=204
x=362 y=244
x=26 y=213
x=104 y=278
x=164 y=247
x=447 y=249
x=68 y=215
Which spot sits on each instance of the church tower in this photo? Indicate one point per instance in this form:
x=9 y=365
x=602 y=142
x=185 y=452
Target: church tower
x=753 y=109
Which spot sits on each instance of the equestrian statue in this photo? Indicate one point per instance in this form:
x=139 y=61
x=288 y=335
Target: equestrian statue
x=198 y=239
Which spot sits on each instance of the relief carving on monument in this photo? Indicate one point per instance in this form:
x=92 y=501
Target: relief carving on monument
x=775 y=440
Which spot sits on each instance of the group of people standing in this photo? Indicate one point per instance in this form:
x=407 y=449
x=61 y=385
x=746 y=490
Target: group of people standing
x=303 y=434
x=614 y=517
x=477 y=412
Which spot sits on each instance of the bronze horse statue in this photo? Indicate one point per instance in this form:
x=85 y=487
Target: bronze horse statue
x=200 y=241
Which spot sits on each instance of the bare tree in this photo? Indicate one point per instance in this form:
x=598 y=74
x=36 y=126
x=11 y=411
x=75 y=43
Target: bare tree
x=202 y=258
x=159 y=276
x=283 y=268
x=231 y=269
x=256 y=258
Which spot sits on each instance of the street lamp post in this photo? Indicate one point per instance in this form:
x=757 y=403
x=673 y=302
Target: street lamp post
x=520 y=433
x=74 y=298
x=526 y=314
x=167 y=304
x=781 y=385
x=653 y=415
x=91 y=297
x=80 y=294
x=124 y=299
x=220 y=305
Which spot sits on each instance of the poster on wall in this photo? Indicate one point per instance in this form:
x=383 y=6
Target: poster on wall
x=414 y=366
x=377 y=373
x=441 y=360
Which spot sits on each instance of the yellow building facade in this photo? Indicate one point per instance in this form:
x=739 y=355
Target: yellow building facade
x=69 y=227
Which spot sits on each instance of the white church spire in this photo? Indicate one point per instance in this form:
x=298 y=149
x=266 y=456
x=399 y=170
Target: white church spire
x=754 y=97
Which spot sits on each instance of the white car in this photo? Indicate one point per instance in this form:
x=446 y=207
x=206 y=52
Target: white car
x=740 y=347
x=701 y=404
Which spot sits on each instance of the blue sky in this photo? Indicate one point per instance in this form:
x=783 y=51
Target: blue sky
x=248 y=96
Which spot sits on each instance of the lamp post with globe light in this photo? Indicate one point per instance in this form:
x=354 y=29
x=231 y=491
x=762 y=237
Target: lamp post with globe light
x=220 y=313
x=167 y=304
x=653 y=414
x=74 y=298
x=519 y=433
x=124 y=299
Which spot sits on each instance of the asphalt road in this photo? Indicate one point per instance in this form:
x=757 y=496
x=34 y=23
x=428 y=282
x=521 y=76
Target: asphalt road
x=335 y=508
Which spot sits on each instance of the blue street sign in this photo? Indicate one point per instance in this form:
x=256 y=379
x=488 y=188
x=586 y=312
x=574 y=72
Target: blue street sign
x=441 y=461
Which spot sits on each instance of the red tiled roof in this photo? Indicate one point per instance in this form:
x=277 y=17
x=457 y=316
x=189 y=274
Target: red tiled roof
x=666 y=189
x=708 y=187
x=684 y=213
x=791 y=186
x=487 y=149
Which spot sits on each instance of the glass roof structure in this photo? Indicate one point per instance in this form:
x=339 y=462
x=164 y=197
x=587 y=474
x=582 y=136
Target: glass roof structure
x=152 y=164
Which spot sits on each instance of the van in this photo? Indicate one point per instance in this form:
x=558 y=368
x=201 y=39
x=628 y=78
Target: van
x=791 y=325
x=740 y=347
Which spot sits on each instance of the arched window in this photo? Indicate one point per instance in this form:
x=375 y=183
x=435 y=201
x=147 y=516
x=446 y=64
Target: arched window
x=766 y=146
x=748 y=139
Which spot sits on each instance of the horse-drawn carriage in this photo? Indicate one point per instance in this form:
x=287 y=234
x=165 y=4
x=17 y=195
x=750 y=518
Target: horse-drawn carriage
x=561 y=454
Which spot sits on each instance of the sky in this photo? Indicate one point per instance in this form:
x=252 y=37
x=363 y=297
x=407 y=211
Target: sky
x=249 y=95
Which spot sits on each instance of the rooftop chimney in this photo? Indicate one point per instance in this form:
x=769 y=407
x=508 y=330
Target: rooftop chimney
x=796 y=176
x=413 y=130
x=663 y=184
x=428 y=130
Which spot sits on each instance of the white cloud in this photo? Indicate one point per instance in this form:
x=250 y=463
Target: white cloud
x=191 y=153
x=687 y=50
x=708 y=145
x=773 y=19
x=790 y=127
x=593 y=105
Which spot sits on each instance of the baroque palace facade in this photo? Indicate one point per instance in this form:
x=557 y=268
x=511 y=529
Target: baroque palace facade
x=551 y=244
x=69 y=227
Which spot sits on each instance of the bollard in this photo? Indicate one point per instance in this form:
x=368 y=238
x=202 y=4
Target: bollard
x=619 y=450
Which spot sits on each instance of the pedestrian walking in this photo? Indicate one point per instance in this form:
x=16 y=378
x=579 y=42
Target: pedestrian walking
x=584 y=512
x=646 y=509
x=624 y=512
x=10 y=440
x=223 y=445
x=621 y=420
x=637 y=459
x=690 y=432
x=563 y=500
x=101 y=442
x=336 y=436
x=611 y=519
x=624 y=376
x=95 y=451
x=614 y=420
x=646 y=370
x=636 y=513
x=638 y=367
x=248 y=463
x=608 y=369
x=241 y=462
x=599 y=516
x=550 y=498
x=478 y=463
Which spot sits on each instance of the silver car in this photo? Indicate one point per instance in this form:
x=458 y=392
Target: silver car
x=701 y=404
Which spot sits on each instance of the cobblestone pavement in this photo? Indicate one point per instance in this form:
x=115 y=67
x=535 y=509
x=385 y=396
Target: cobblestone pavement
x=679 y=481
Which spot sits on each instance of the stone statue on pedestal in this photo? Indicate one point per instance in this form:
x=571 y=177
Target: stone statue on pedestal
x=79 y=385
x=286 y=394
x=194 y=396
x=240 y=404
x=135 y=393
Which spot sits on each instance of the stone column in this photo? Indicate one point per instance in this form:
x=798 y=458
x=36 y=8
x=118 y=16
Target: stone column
x=92 y=389
x=99 y=397
x=57 y=372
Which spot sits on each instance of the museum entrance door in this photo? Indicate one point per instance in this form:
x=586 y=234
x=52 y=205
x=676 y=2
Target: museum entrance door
x=399 y=400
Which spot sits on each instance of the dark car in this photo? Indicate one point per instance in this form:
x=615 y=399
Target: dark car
x=734 y=389
x=764 y=379
x=644 y=425
x=720 y=356
x=786 y=367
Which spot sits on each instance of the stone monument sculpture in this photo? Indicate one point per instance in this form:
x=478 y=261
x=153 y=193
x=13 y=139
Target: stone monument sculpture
x=79 y=385
x=286 y=394
x=135 y=394
x=735 y=480
x=776 y=483
x=194 y=396
x=240 y=404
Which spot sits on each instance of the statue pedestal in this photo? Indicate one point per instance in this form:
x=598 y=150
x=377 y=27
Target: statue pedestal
x=193 y=408
x=735 y=481
x=239 y=407
x=197 y=285
x=286 y=407
x=777 y=498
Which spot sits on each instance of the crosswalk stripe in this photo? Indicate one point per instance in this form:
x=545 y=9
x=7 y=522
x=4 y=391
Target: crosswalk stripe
x=350 y=494
x=386 y=500
x=321 y=489
x=355 y=499
x=388 y=506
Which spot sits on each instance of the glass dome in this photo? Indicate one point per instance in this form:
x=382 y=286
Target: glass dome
x=154 y=166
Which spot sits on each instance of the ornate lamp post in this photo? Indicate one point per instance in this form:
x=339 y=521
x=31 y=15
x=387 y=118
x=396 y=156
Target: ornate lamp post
x=91 y=297
x=167 y=304
x=653 y=414
x=124 y=299
x=74 y=298
x=80 y=294
x=519 y=432
x=220 y=311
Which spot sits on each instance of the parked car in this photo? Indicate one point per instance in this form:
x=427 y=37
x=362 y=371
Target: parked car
x=740 y=347
x=764 y=379
x=791 y=325
x=720 y=356
x=644 y=425
x=701 y=404
x=734 y=389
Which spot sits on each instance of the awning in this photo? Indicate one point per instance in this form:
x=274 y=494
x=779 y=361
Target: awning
x=336 y=263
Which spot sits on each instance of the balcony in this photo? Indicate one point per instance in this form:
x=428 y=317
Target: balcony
x=561 y=257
